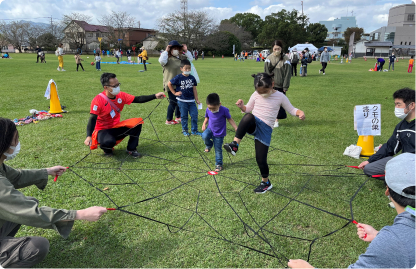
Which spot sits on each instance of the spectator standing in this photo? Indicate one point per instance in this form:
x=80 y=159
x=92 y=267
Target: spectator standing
x=324 y=60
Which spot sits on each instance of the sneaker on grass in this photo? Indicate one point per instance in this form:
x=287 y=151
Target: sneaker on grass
x=263 y=187
x=231 y=147
x=134 y=154
x=185 y=133
x=196 y=133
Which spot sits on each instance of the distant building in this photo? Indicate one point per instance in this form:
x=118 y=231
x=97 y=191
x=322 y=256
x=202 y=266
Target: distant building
x=136 y=35
x=337 y=27
x=399 y=32
x=84 y=34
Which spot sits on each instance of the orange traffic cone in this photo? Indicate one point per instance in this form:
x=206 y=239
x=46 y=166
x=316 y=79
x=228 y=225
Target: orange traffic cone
x=55 y=105
x=366 y=142
x=375 y=67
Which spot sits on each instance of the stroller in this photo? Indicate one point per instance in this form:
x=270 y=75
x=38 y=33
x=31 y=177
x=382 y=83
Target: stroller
x=42 y=57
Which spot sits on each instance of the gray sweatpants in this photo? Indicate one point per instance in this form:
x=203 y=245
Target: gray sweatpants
x=20 y=252
x=377 y=167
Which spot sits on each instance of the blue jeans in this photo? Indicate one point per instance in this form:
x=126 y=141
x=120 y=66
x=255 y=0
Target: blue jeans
x=210 y=140
x=185 y=108
x=98 y=65
x=304 y=69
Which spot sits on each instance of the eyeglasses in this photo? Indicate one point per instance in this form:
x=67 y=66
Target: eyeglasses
x=115 y=86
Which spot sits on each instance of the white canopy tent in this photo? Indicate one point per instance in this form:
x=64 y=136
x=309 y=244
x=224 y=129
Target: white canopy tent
x=301 y=47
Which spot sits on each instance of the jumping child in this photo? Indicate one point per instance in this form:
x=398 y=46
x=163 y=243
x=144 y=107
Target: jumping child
x=214 y=134
x=264 y=104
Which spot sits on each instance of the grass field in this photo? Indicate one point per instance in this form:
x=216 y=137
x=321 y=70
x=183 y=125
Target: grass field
x=212 y=211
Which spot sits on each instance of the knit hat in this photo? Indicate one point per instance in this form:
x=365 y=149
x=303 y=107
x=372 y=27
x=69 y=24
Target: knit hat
x=400 y=173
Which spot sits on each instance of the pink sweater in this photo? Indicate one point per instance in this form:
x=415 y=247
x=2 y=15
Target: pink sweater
x=266 y=109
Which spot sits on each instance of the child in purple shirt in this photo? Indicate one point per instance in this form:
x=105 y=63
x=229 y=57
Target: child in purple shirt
x=213 y=135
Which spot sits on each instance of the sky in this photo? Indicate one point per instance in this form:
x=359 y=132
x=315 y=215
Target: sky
x=370 y=14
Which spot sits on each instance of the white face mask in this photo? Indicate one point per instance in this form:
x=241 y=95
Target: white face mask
x=325 y=49
x=187 y=72
x=175 y=52
x=115 y=90
x=16 y=150
x=265 y=95
x=399 y=112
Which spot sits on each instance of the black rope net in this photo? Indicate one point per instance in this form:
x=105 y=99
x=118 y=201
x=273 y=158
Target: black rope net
x=171 y=187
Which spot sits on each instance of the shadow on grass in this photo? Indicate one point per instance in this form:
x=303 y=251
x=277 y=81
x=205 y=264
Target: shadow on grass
x=101 y=244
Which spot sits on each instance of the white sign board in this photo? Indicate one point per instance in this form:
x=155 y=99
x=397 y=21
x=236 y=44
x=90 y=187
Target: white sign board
x=367 y=119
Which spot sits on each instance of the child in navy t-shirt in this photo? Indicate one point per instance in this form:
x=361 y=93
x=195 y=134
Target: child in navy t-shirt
x=213 y=135
x=186 y=95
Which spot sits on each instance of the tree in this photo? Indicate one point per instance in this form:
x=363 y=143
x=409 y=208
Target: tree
x=242 y=35
x=221 y=43
x=348 y=32
x=316 y=33
x=48 y=41
x=74 y=34
x=118 y=24
x=190 y=28
x=250 y=22
x=15 y=33
x=290 y=27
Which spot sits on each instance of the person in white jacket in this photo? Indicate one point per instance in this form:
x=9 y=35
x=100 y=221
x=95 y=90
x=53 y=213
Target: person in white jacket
x=325 y=58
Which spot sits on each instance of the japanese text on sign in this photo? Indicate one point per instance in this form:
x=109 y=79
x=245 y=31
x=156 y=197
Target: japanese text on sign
x=367 y=119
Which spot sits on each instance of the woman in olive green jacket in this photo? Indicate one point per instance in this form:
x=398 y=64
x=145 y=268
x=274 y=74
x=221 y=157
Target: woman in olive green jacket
x=17 y=209
x=278 y=65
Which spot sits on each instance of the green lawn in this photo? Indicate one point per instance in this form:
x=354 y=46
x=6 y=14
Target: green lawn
x=213 y=211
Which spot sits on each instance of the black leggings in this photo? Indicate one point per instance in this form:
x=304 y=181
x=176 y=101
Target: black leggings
x=80 y=65
x=108 y=138
x=144 y=63
x=248 y=125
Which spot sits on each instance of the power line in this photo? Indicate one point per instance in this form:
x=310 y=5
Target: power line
x=29 y=19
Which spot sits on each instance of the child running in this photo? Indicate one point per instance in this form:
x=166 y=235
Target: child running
x=264 y=104
x=213 y=135
x=78 y=61
x=186 y=95
x=411 y=61
x=98 y=62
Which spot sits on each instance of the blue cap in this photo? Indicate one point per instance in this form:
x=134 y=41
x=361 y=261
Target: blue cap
x=175 y=43
x=400 y=173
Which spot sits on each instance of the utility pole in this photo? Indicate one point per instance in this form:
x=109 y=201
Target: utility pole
x=302 y=7
x=184 y=7
x=352 y=13
x=51 y=25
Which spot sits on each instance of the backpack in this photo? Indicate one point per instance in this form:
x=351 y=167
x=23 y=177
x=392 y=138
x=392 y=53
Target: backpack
x=309 y=59
x=295 y=58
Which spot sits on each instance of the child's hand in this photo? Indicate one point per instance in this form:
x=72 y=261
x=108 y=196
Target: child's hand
x=160 y=95
x=240 y=103
x=363 y=230
x=203 y=127
x=178 y=93
x=300 y=114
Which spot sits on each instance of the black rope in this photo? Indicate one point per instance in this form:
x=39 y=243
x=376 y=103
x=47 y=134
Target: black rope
x=259 y=231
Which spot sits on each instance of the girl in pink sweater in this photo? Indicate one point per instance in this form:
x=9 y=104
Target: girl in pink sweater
x=264 y=104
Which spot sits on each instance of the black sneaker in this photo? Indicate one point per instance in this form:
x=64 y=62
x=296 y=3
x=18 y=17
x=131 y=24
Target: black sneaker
x=231 y=147
x=108 y=154
x=134 y=154
x=263 y=187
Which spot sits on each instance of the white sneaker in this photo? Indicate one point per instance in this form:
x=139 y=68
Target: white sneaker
x=319 y=71
x=324 y=73
x=58 y=69
x=276 y=124
x=63 y=70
